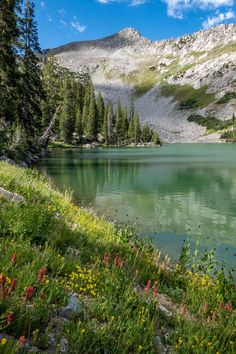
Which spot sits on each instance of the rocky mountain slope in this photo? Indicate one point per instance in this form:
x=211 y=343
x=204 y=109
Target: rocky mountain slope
x=169 y=79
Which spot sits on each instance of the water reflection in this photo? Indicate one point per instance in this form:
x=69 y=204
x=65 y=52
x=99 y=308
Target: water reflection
x=168 y=192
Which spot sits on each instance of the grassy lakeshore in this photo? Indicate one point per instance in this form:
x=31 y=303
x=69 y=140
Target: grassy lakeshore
x=59 y=144
x=127 y=298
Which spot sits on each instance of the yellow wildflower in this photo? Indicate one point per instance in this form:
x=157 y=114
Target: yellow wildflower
x=3 y=341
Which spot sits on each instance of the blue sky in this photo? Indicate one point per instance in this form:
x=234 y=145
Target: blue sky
x=63 y=21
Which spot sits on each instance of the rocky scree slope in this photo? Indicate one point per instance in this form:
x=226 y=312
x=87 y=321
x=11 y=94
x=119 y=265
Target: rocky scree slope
x=170 y=79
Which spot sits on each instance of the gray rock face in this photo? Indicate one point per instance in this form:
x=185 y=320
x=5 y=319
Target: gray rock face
x=13 y=197
x=6 y=159
x=127 y=63
x=164 y=312
x=73 y=308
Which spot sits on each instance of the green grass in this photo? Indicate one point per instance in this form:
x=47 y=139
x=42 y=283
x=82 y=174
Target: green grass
x=187 y=96
x=196 y=54
x=142 y=80
x=227 y=97
x=60 y=144
x=108 y=267
x=219 y=50
x=211 y=123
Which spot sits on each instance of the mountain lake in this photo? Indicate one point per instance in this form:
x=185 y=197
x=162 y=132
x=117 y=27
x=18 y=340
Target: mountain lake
x=169 y=194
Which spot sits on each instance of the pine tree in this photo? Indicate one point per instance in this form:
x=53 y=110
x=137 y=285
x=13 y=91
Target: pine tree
x=155 y=137
x=118 y=126
x=9 y=89
x=131 y=131
x=31 y=93
x=110 y=124
x=79 y=124
x=100 y=112
x=86 y=102
x=124 y=125
x=105 y=126
x=137 y=129
x=51 y=81
x=132 y=109
x=91 y=124
x=146 y=133
x=67 y=117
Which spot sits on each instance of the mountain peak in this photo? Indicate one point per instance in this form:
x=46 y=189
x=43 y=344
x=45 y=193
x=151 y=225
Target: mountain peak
x=129 y=32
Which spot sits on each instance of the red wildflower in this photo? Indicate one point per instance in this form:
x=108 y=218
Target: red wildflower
x=4 y=293
x=42 y=296
x=3 y=280
x=121 y=263
x=29 y=292
x=13 y=258
x=155 y=292
x=148 y=286
x=106 y=259
x=41 y=274
x=229 y=307
x=13 y=285
x=116 y=261
x=22 y=340
x=10 y=318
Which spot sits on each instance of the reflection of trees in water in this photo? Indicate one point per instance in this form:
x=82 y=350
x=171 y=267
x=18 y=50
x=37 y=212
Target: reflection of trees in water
x=167 y=196
x=90 y=176
x=214 y=188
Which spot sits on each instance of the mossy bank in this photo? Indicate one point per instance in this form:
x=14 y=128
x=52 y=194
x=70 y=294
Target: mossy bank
x=72 y=282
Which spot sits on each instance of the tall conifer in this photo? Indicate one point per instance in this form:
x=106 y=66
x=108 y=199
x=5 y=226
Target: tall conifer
x=31 y=84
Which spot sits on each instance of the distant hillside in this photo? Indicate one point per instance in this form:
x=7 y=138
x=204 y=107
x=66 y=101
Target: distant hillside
x=170 y=79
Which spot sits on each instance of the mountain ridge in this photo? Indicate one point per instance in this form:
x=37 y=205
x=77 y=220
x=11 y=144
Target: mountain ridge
x=126 y=64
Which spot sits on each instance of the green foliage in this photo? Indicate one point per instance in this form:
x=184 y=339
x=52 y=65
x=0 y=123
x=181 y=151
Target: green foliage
x=146 y=133
x=137 y=129
x=210 y=122
x=187 y=96
x=118 y=124
x=9 y=74
x=114 y=274
x=100 y=111
x=30 y=81
x=230 y=135
x=227 y=97
x=155 y=138
x=68 y=113
x=35 y=87
x=188 y=104
x=79 y=124
x=91 y=122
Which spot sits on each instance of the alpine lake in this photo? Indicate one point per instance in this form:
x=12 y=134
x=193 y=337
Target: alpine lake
x=168 y=194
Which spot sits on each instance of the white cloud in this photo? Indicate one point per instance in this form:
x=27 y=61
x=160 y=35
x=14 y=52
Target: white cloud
x=64 y=23
x=43 y=4
x=138 y=2
x=62 y=12
x=49 y=18
x=77 y=26
x=105 y=1
x=176 y=8
x=129 y=2
x=218 y=18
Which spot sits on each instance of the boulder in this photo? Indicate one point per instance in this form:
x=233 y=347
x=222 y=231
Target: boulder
x=13 y=197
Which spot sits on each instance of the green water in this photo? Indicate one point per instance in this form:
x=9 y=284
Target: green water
x=168 y=193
